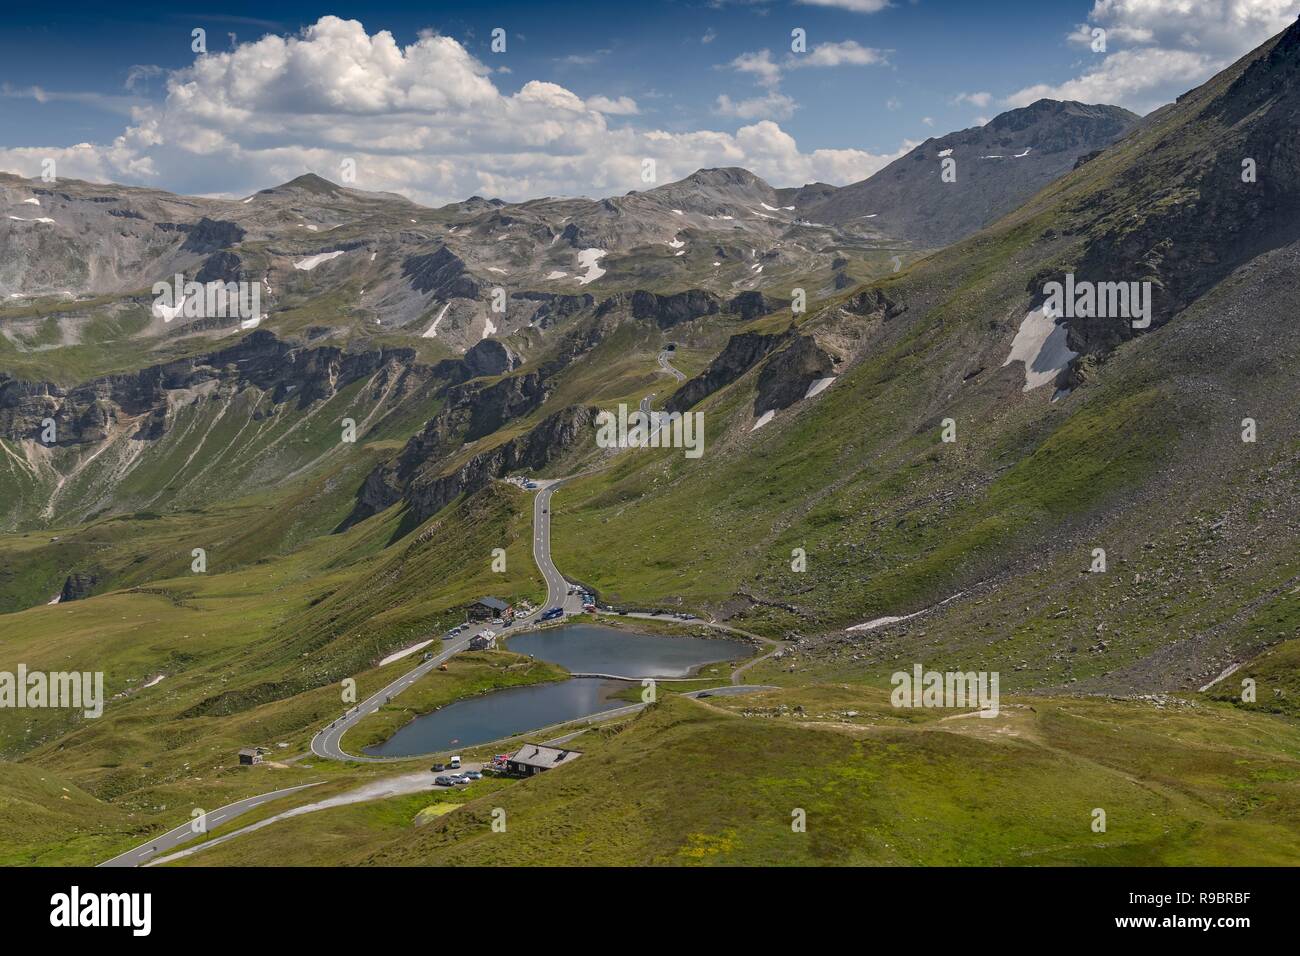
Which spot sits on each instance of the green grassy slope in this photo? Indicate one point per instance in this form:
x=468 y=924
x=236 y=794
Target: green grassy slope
x=687 y=784
x=252 y=656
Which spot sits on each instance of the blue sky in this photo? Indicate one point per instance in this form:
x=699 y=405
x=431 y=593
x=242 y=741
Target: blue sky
x=683 y=82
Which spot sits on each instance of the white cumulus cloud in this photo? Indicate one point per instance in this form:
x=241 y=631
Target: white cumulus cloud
x=616 y=106
x=424 y=119
x=1157 y=49
x=773 y=105
x=843 y=53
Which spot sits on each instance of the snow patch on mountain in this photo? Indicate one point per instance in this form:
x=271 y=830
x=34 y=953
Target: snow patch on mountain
x=1041 y=345
x=589 y=259
x=432 y=331
x=311 y=262
x=819 y=386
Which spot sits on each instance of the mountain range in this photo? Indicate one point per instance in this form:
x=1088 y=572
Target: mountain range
x=923 y=464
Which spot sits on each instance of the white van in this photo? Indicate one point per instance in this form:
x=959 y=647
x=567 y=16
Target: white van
x=455 y=763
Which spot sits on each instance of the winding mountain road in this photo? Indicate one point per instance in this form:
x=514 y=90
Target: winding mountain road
x=328 y=743
x=664 y=364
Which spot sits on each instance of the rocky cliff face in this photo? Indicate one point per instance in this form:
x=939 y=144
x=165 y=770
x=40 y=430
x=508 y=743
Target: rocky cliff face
x=552 y=307
x=78 y=586
x=787 y=374
x=474 y=409
x=210 y=235
x=471 y=411
x=664 y=310
x=443 y=273
x=490 y=357
x=83 y=414
x=742 y=352
x=753 y=304
x=186 y=432
x=552 y=439
x=873 y=302
x=667 y=311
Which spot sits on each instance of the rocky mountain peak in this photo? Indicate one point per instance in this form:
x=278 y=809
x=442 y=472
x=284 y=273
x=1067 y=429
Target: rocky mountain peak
x=310 y=183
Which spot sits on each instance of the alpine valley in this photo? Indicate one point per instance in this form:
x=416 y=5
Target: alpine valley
x=907 y=463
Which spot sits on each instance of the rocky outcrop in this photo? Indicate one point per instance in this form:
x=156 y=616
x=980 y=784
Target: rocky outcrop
x=786 y=376
x=443 y=273
x=224 y=266
x=210 y=235
x=753 y=304
x=874 y=303
x=1086 y=158
x=553 y=307
x=78 y=586
x=472 y=410
x=490 y=357
x=664 y=310
x=742 y=352
x=549 y=441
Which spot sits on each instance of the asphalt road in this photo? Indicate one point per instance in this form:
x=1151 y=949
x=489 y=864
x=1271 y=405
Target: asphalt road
x=663 y=364
x=327 y=743
x=557 y=586
x=183 y=834
x=374 y=790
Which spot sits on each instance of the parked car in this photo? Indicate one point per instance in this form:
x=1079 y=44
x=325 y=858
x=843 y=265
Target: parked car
x=444 y=781
x=455 y=762
x=473 y=775
x=438 y=767
x=460 y=780
x=552 y=613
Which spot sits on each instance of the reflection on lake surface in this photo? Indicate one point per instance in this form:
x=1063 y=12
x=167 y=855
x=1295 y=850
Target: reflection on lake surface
x=582 y=648
x=592 y=649
x=501 y=713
